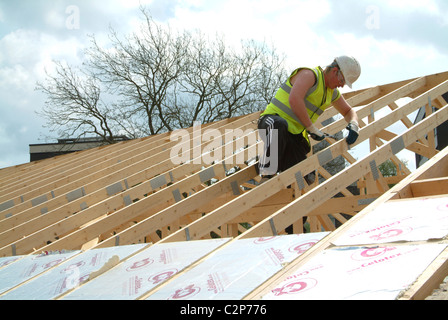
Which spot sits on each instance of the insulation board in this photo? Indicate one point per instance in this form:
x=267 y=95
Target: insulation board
x=237 y=269
x=401 y=220
x=69 y=275
x=27 y=267
x=357 y=273
x=145 y=270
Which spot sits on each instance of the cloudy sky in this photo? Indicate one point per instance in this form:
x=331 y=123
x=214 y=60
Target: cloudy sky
x=393 y=40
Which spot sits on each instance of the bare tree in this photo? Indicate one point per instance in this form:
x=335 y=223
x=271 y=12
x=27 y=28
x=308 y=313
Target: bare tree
x=156 y=80
x=225 y=82
x=142 y=70
x=196 y=97
x=74 y=105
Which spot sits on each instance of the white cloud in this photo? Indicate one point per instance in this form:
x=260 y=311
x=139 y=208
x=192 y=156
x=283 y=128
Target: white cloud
x=4 y=138
x=55 y=19
x=16 y=76
x=389 y=60
x=309 y=32
x=287 y=24
x=23 y=130
x=15 y=46
x=251 y=18
x=130 y=4
x=429 y=6
x=31 y=49
x=52 y=49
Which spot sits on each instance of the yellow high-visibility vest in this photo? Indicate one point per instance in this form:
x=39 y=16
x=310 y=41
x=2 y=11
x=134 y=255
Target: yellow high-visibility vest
x=317 y=99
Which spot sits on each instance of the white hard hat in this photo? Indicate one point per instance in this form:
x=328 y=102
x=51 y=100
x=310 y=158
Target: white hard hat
x=350 y=69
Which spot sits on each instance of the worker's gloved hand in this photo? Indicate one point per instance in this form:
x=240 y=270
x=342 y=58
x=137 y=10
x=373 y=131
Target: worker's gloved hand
x=353 y=132
x=315 y=133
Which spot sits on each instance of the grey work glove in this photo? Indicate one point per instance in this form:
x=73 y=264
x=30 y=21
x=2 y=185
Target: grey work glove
x=315 y=133
x=353 y=132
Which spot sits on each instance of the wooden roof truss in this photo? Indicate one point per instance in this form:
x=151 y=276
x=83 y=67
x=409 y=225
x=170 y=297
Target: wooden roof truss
x=131 y=192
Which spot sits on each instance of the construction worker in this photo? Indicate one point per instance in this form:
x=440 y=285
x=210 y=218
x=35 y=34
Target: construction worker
x=289 y=119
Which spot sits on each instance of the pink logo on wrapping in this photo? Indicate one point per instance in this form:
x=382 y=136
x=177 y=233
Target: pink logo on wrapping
x=391 y=233
x=301 y=248
x=140 y=264
x=264 y=240
x=161 y=277
x=371 y=253
x=5 y=263
x=52 y=263
x=187 y=292
x=73 y=266
x=296 y=286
